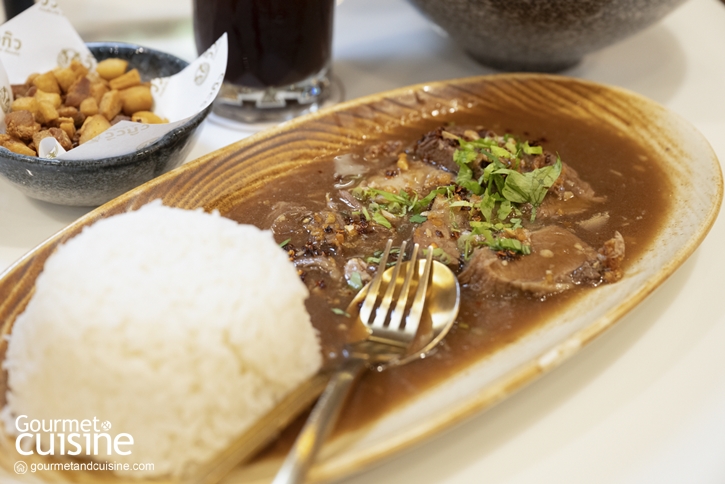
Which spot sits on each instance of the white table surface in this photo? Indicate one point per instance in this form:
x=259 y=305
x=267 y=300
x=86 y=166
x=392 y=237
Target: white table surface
x=643 y=404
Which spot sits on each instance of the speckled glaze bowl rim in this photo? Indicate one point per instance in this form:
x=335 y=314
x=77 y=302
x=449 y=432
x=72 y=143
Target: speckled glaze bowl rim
x=130 y=158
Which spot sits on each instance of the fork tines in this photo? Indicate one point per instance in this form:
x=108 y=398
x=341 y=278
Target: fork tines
x=392 y=316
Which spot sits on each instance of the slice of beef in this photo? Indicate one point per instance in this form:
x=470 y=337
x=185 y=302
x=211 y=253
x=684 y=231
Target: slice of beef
x=559 y=260
x=415 y=177
x=436 y=230
x=325 y=265
x=436 y=147
x=570 y=195
x=570 y=182
x=606 y=267
x=383 y=151
x=283 y=217
x=554 y=208
x=348 y=201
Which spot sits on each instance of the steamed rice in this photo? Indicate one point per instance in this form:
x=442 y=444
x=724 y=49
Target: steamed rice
x=179 y=328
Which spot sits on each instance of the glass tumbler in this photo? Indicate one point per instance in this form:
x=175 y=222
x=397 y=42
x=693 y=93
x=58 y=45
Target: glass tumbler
x=279 y=55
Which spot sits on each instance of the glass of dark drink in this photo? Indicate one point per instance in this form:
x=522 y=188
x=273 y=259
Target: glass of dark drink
x=279 y=55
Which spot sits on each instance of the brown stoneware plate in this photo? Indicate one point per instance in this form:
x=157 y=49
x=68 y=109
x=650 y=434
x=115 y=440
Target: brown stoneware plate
x=545 y=107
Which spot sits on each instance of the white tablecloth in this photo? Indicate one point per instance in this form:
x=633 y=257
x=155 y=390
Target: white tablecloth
x=643 y=404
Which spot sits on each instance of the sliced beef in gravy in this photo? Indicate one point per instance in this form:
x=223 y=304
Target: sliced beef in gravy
x=410 y=176
x=437 y=150
x=571 y=194
x=436 y=147
x=559 y=260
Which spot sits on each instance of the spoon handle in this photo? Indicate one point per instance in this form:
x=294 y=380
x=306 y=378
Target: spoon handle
x=262 y=433
x=319 y=424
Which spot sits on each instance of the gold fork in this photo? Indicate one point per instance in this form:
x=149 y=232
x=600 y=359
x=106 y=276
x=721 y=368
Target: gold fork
x=392 y=324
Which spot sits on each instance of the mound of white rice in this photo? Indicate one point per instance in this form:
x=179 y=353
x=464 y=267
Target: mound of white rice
x=180 y=328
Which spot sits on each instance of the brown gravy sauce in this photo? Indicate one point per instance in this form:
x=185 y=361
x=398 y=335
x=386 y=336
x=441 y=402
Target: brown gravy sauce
x=617 y=167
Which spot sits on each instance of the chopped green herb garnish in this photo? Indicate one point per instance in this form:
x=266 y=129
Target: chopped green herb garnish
x=396 y=203
x=399 y=204
x=461 y=203
x=511 y=145
x=380 y=219
x=530 y=187
x=501 y=152
x=503 y=182
x=488 y=202
x=465 y=173
x=340 y=312
x=284 y=242
x=355 y=280
x=512 y=245
x=425 y=202
x=375 y=258
x=494 y=185
x=488 y=234
x=504 y=210
x=439 y=254
x=531 y=150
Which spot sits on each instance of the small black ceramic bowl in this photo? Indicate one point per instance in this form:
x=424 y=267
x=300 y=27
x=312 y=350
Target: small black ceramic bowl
x=95 y=181
x=540 y=35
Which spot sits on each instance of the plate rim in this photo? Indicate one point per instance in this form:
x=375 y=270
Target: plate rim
x=508 y=384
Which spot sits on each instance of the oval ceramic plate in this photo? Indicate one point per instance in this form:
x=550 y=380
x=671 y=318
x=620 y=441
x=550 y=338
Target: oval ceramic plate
x=224 y=178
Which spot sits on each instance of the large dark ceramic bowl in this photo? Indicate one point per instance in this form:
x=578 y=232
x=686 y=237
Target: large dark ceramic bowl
x=95 y=181
x=540 y=35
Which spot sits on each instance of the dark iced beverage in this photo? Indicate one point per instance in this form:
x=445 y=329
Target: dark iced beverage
x=272 y=43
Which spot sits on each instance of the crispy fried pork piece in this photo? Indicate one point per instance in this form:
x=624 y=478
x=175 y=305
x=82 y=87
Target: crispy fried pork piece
x=21 y=125
x=56 y=133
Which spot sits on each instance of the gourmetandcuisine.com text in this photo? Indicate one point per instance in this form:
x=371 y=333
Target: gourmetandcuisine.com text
x=88 y=466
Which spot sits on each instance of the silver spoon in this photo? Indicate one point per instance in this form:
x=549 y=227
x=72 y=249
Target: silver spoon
x=391 y=332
